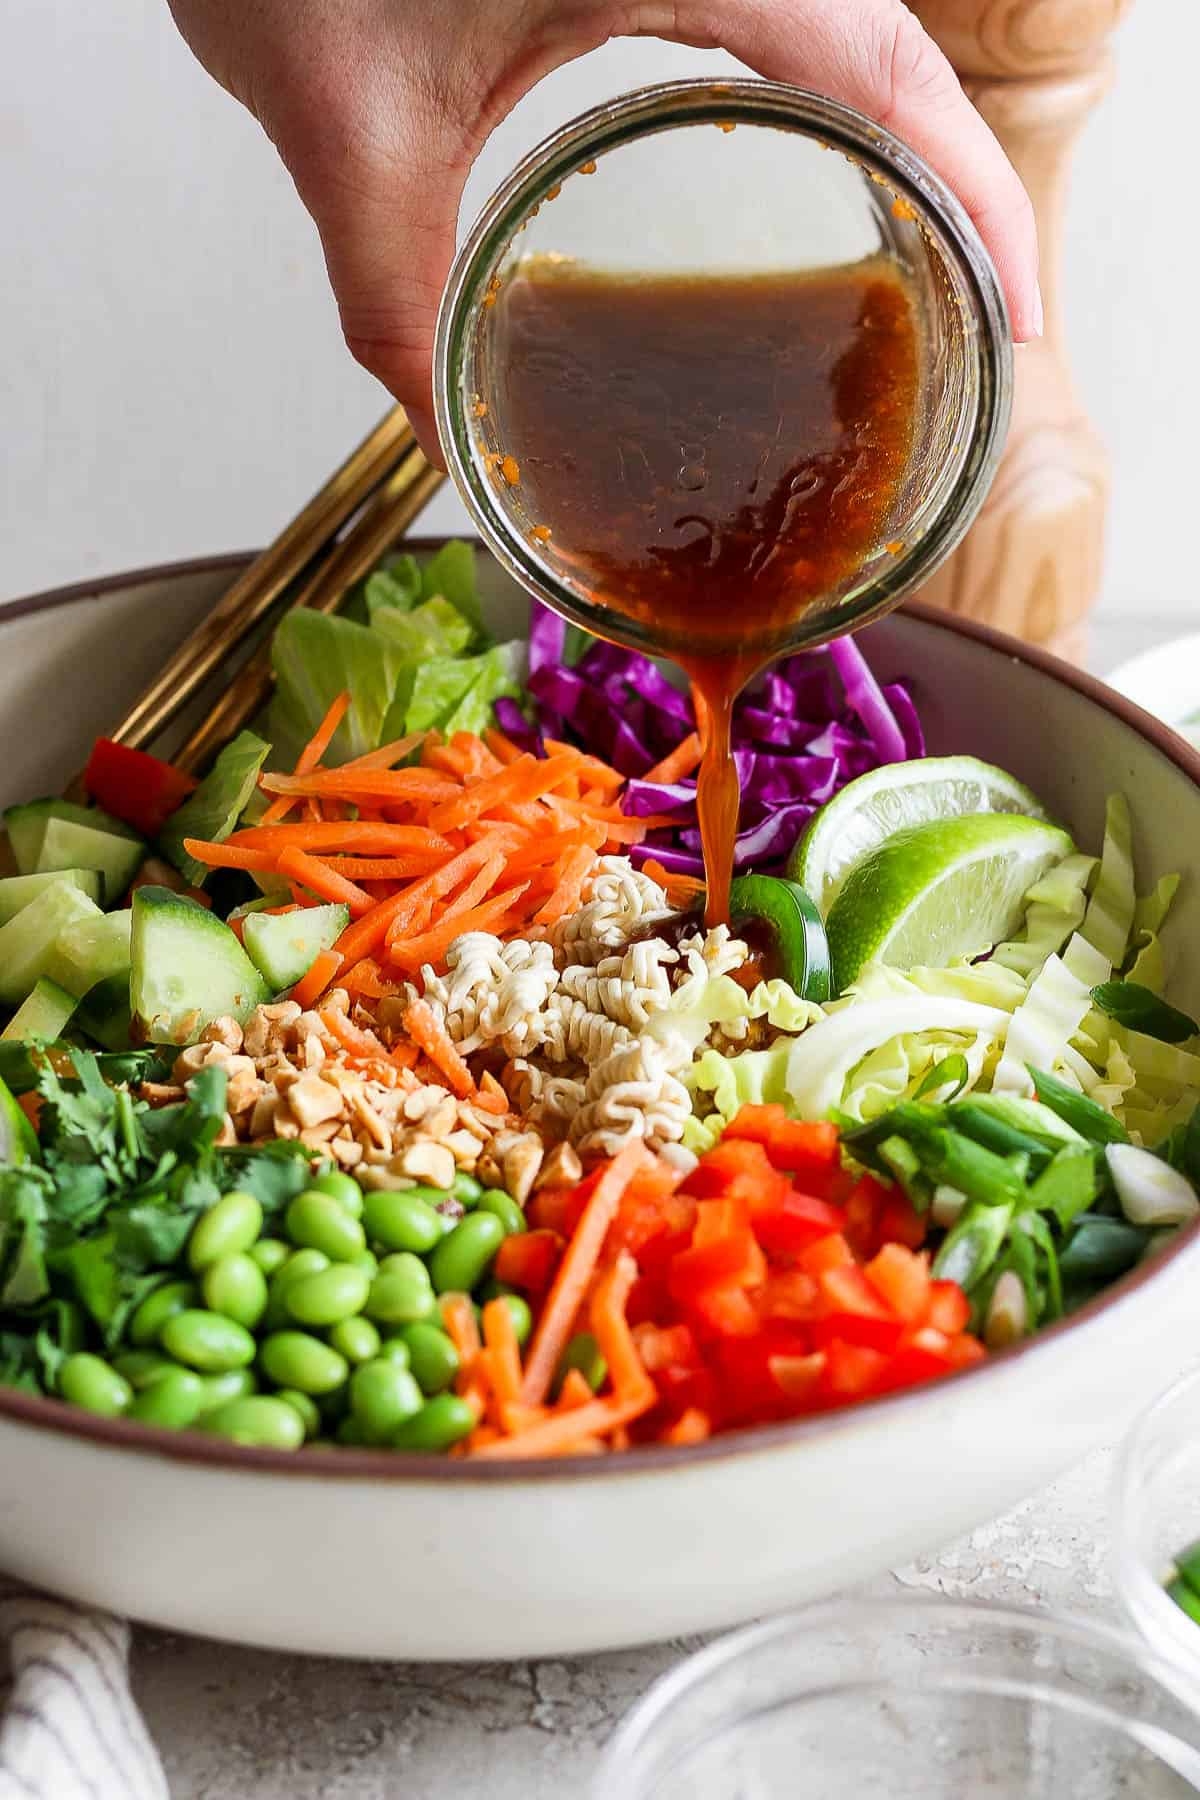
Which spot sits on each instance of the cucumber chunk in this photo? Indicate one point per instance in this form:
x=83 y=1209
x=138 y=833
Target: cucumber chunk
x=42 y=1014
x=18 y=1139
x=104 y=1013
x=27 y=824
x=27 y=941
x=17 y=891
x=187 y=970
x=67 y=844
x=91 y=950
x=283 y=946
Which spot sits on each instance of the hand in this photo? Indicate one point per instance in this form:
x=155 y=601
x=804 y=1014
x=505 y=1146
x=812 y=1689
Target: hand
x=379 y=108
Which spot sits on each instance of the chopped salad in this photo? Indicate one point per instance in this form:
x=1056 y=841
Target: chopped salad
x=385 y=1088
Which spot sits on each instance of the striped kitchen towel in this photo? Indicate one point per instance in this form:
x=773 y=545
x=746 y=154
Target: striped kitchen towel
x=69 y=1729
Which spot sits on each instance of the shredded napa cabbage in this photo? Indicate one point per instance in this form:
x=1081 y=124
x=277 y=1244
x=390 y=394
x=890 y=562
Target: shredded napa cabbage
x=1055 y=907
x=1109 y=917
x=1149 y=916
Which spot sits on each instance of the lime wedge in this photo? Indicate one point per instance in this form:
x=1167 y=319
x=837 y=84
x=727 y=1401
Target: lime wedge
x=870 y=809
x=937 y=892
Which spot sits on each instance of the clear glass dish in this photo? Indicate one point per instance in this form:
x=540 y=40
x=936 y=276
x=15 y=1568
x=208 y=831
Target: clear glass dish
x=790 y=183
x=912 y=1699
x=1156 y=1516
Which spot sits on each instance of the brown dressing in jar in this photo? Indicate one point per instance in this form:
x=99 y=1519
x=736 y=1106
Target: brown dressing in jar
x=710 y=455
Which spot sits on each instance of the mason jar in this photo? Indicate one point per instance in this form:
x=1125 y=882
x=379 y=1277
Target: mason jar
x=730 y=177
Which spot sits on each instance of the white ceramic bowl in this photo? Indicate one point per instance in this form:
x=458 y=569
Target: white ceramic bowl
x=369 y=1554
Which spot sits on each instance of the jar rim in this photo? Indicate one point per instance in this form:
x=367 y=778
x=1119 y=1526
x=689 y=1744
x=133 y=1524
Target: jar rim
x=667 y=106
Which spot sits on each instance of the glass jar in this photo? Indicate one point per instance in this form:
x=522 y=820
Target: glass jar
x=790 y=183
x=1156 y=1517
x=911 y=1699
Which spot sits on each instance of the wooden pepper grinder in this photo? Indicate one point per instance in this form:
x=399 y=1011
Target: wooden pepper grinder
x=1031 y=563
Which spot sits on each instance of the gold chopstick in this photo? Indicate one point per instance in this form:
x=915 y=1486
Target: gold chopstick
x=259 y=586
x=378 y=529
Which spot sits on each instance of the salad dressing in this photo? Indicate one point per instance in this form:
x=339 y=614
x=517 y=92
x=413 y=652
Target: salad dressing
x=710 y=455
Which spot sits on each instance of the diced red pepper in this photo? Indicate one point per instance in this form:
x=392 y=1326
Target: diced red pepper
x=725 y=1312
x=901 y=1223
x=949 y=1310
x=736 y=1165
x=901 y=1278
x=528 y=1260
x=757 y=1124
x=851 y=1370
x=832 y=1252
x=724 y=1252
x=794 y=1220
x=864 y=1210
x=798 y=1378
x=134 y=786
x=790 y=1294
x=666 y=1346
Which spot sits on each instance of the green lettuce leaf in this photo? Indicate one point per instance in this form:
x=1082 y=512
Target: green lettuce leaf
x=450 y=694
x=435 y=628
x=315 y=658
x=450 y=575
x=213 y=811
x=397 y=586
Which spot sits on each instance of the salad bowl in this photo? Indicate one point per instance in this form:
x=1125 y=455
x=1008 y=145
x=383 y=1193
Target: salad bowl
x=362 y=1553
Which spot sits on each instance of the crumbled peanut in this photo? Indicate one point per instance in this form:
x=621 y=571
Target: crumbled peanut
x=561 y=1168
x=463 y=1147
x=441 y=1118
x=159 y=1093
x=426 y=1161
x=224 y=1030
x=312 y=1100
x=244 y=1090
x=227 y=1134
x=348 y=1151
x=317 y=1136
x=521 y=1162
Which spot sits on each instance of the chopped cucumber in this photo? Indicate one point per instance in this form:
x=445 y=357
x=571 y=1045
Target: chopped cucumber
x=42 y=1014
x=104 y=1013
x=217 y=804
x=91 y=950
x=284 y=945
x=17 y=891
x=27 y=824
x=27 y=942
x=116 y=857
x=187 y=970
x=18 y=1139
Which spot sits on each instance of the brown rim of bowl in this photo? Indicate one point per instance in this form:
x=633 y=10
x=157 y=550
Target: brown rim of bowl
x=54 y=1415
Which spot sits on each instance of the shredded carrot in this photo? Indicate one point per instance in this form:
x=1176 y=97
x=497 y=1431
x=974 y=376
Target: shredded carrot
x=230 y=856
x=526 y=779
x=385 y=785
x=501 y=747
x=681 y=762
x=423 y=1028
x=371 y=837
x=500 y=1336
x=311 y=986
x=430 y=946
x=574 y=1273
x=298 y=865
x=681 y=889
x=563 y=1432
x=611 y=1329
x=691 y=1427
x=362 y=1044
x=575 y=1390
x=386 y=755
x=574 y=870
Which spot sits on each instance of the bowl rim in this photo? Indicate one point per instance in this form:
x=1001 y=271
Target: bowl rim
x=42 y=1412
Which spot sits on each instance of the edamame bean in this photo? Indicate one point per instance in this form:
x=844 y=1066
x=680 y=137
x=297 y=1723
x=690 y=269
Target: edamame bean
x=299 y=1264
x=465 y=1257
x=306 y=1406
x=88 y=1381
x=466 y=1189
x=355 y=1339
x=582 y=1353
x=522 y=1318
x=318 y=1222
x=207 y=1342
x=236 y=1288
x=172 y=1400
x=366 y=1259
x=401 y=1291
x=504 y=1208
x=259 y=1419
x=296 y=1359
x=342 y=1188
x=331 y=1295
x=232 y=1385
x=230 y=1226
x=431 y=1355
x=140 y=1367
x=382 y=1396
x=159 y=1306
x=395 y=1350
x=349 y=1433
x=441 y=1422
x=401 y=1221
x=270 y=1254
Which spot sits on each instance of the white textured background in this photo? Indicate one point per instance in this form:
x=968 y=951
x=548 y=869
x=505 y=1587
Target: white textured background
x=171 y=377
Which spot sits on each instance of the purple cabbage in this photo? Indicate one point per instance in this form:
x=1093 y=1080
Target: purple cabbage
x=801 y=731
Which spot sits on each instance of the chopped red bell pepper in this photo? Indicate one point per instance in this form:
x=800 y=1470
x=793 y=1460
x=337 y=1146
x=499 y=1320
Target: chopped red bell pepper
x=528 y=1260
x=792 y=1221
x=140 y=789
x=901 y=1278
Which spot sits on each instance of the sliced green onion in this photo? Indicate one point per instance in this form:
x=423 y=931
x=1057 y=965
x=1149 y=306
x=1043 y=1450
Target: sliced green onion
x=1151 y=1192
x=1185 y=1599
x=1068 y=1186
x=1085 y=1116
x=1099 y=1250
x=1138 y=1008
x=1007 y=1314
x=973 y=1245
x=953 y=1071
x=995 y=1133
x=979 y=1172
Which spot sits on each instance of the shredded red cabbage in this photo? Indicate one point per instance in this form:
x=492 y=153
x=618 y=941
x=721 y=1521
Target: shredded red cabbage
x=801 y=732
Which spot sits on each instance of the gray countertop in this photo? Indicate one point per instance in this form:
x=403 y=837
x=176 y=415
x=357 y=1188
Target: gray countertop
x=238 y=1724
